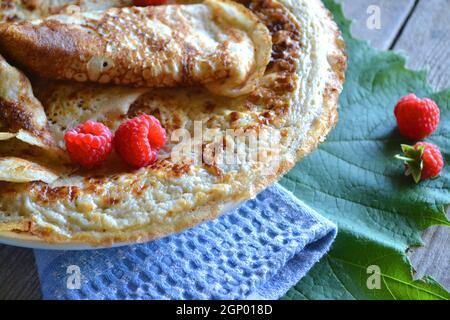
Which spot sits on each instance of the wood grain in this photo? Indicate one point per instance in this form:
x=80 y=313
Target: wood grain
x=426 y=41
x=393 y=14
x=18 y=275
x=434 y=257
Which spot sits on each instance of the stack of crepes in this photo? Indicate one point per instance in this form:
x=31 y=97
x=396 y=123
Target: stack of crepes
x=261 y=66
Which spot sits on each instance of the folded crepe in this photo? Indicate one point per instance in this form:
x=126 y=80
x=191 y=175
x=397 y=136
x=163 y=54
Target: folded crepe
x=21 y=114
x=292 y=109
x=24 y=130
x=217 y=43
x=18 y=10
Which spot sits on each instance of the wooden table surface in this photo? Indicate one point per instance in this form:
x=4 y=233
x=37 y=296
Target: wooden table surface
x=420 y=29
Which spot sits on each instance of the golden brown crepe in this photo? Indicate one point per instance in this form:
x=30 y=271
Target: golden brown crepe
x=292 y=109
x=217 y=43
x=19 y=10
x=24 y=130
x=21 y=114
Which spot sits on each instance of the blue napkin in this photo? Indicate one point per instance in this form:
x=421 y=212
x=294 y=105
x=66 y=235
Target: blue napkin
x=257 y=251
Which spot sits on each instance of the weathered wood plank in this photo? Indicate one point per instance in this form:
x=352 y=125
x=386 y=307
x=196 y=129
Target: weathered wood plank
x=426 y=40
x=392 y=16
x=18 y=276
x=434 y=257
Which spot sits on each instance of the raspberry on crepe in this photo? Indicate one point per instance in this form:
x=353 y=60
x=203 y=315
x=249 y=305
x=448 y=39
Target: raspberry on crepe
x=138 y=140
x=89 y=144
x=143 y=3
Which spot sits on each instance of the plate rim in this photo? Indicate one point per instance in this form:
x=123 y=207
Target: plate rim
x=24 y=240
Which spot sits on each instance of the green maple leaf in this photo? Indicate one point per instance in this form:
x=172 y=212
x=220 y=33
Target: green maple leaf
x=354 y=180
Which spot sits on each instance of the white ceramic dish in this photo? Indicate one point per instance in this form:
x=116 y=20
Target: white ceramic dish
x=27 y=241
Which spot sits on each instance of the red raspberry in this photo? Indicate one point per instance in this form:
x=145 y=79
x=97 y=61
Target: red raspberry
x=416 y=118
x=138 y=140
x=423 y=160
x=89 y=144
x=144 y=3
x=157 y=134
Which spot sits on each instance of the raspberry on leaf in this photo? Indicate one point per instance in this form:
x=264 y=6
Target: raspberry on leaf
x=416 y=118
x=89 y=144
x=423 y=160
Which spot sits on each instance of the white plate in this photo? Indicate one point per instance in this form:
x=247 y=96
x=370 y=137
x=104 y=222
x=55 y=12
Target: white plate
x=28 y=241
